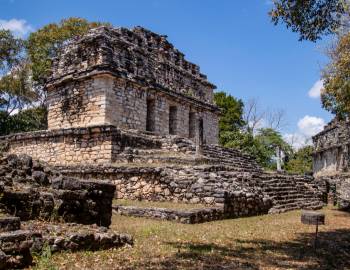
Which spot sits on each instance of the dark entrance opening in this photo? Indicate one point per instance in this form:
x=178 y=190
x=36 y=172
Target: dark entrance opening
x=172 y=120
x=192 y=125
x=151 y=115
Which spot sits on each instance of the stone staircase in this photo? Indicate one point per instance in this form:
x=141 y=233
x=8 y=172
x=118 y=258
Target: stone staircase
x=228 y=166
x=181 y=151
x=290 y=192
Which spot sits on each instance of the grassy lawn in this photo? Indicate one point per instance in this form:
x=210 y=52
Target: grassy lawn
x=263 y=242
x=167 y=205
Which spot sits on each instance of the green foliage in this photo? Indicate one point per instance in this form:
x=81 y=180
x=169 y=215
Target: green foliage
x=310 y=18
x=231 y=119
x=10 y=51
x=336 y=76
x=247 y=143
x=43 y=260
x=23 y=121
x=45 y=44
x=24 y=68
x=16 y=91
x=271 y=139
x=301 y=161
x=233 y=132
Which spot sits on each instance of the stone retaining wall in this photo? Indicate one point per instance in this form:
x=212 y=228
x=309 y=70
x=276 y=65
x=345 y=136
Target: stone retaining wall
x=337 y=189
x=30 y=190
x=96 y=144
x=193 y=216
x=199 y=184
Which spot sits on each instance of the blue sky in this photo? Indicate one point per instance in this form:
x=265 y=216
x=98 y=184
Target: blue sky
x=233 y=41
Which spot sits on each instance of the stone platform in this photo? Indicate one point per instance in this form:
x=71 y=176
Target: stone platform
x=144 y=166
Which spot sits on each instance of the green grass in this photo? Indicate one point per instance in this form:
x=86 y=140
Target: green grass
x=262 y=242
x=168 y=205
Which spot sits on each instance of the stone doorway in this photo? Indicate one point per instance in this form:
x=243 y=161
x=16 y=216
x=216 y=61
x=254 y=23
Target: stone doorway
x=151 y=115
x=172 y=120
x=192 y=125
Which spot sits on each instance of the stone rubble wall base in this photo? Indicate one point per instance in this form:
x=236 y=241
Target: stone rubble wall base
x=17 y=246
x=241 y=193
x=31 y=190
x=186 y=185
x=336 y=189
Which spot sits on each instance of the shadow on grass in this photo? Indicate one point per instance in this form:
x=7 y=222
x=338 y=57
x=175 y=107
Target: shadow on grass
x=333 y=252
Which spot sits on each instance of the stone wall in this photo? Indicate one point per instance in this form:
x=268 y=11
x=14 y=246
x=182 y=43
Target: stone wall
x=240 y=192
x=31 y=190
x=96 y=144
x=41 y=210
x=336 y=189
x=93 y=89
x=185 y=184
x=78 y=104
x=331 y=154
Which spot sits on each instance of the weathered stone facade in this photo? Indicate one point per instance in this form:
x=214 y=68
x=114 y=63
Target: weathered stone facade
x=95 y=144
x=331 y=161
x=332 y=149
x=132 y=79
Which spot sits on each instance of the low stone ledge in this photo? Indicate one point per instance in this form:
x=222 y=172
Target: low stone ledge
x=74 y=237
x=8 y=224
x=182 y=216
x=15 y=248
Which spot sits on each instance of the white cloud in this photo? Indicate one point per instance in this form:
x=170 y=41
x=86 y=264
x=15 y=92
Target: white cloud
x=315 y=90
x=297 y=140
x=18 y=27
x=310 y=125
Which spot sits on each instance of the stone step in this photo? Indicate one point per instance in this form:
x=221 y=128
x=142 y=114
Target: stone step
x=8 y=224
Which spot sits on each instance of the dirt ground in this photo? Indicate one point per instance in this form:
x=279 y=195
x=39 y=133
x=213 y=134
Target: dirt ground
x=264 y=242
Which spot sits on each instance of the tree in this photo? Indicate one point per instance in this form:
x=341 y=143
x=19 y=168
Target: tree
x=25 y=66
x=16 y=91
x=253 y=115
x=335 y=96
x=301 y=161
x=247 y=143
x=271 y=140
x=256 y=117
x=310 y=18
x=46 y=43
x=231 y=113
x=241 y=130
x=25 y=120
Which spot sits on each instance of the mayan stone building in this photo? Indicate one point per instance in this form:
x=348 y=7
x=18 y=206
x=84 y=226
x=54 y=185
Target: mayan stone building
x=132 y=79
x=114 y=79
x=126 y=107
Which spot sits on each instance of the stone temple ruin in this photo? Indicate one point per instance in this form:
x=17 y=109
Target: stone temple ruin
x=127 y=110
x=331 y=161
